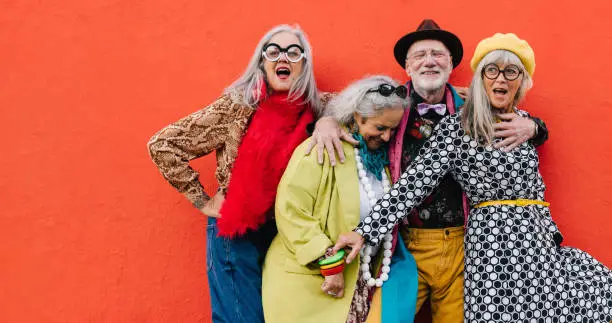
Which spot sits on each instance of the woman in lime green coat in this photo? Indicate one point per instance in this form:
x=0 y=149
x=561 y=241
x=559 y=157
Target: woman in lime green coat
x=315 y=203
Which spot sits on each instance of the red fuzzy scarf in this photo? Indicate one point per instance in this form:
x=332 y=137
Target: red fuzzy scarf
x=276 y=129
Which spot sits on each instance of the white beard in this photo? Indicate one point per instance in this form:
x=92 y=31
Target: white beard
x=427 y=85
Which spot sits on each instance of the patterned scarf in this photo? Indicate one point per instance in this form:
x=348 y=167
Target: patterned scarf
x=374 y=161
x=276 y=129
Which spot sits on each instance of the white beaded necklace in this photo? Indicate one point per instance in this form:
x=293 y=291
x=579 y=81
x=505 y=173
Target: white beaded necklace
x=366 y=252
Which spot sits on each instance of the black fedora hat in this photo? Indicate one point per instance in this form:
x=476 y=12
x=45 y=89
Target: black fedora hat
x=428 y=29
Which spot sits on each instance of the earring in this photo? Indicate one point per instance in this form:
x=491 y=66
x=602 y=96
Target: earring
x=353 y=127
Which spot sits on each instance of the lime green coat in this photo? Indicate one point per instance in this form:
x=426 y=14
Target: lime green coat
x=314 y=204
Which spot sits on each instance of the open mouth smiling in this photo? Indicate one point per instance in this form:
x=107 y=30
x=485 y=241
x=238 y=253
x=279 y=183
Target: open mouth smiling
x=283 y=72
x=430 y=73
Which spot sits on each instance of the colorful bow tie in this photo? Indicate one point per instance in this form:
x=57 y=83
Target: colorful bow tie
x=423 y=108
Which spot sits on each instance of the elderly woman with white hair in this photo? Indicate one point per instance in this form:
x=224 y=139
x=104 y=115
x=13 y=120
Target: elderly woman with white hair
x=302 y=280
x=515 y=268
x=253 y=128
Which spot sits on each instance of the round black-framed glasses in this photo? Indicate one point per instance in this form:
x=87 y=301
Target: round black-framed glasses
x=273 y=52
x=492 y=71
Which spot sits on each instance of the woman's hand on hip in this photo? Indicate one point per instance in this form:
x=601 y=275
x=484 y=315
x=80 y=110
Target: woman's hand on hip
x=334 y=285
x=213 y=206
x=353 y=240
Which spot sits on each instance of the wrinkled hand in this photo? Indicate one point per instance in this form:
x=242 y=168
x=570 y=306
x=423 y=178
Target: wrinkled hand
x=351 y=240
x=334 y=285
x=326 y=136
x=213 y=206
x=514 y=129
x=461 y=91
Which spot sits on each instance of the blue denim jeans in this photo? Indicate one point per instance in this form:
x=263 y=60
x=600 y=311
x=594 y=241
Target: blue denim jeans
x=234 y=269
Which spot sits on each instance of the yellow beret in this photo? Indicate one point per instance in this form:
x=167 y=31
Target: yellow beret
x=509 y=42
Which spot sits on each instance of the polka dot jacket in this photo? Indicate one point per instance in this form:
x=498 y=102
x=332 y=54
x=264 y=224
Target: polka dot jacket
x=515 y=269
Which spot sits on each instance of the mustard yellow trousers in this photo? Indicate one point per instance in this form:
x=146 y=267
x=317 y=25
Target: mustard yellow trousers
x=439 y=258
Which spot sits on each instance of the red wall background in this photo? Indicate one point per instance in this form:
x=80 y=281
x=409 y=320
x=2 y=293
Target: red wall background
x=89 y=230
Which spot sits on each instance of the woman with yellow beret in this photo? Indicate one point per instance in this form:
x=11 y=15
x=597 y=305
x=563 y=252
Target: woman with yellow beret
x=515 y=267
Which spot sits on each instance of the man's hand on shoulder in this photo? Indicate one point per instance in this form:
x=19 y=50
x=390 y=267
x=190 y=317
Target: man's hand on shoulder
x=327 y=136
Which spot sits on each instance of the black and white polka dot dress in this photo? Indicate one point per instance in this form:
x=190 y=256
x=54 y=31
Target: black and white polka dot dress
x=514 y=269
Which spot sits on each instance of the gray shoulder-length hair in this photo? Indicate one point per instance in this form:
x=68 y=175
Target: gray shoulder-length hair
x=356 y=99
x=477 y=115
x=247 y=88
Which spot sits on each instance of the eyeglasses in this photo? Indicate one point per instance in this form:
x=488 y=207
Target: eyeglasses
x=273 y=52
x=492 y=71
x=420 y=56
x=388 y=89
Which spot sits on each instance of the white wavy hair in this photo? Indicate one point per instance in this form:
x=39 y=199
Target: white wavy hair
x=247 y=88
x=477 y=116
x=356 y=99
